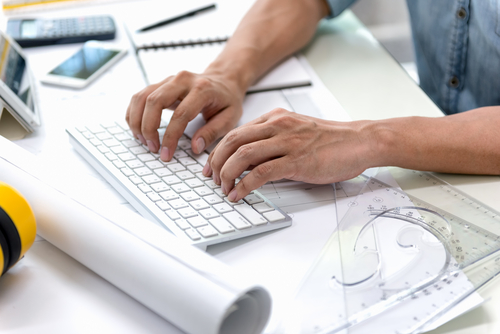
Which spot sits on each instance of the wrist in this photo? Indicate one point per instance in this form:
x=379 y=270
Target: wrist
x=381 y=142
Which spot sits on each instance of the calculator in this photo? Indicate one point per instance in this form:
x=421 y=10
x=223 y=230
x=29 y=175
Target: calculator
x=38 y=32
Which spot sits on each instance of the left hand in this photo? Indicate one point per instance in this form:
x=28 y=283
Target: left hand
x=282 y=144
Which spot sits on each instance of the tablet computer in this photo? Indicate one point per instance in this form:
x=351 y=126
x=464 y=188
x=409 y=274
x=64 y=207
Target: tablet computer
x=17 y=85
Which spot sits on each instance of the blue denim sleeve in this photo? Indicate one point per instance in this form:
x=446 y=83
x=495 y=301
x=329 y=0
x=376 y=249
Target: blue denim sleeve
x=338 y=6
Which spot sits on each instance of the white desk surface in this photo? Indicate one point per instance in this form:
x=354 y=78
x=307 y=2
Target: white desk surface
x=49 y=292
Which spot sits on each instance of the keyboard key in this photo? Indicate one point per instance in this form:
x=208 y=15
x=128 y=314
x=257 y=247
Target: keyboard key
x=253 y=199
x=203 y=191
x=103 y=149
x=126 y=156
x=163 y=205
x=221 y=225
x=176 y=167
x=111 y=142
x=193 y=234
x=207 y=231
x=135 y=179
x=183 y=224
x=208 y=213
x=232 y=203
x=211 y=184
x=87 y=135
x=197 y=221
x=195 y=168
x=199 y=204
x=149 y=179
x=129 y=142
x=114 y=130
x=134 y=164
x=168 y=195
x=103 y=136
x=137 y=150
x=223 y=207
x=154 y=164
x=154 y=196
x=123 y=137
x=159 y=187
x=118 y=149
x=184 y=175
x=185 y=144
x=250 y=214
x=161 y=172
x=190 y=196
x=95 y=129
x=180 y=154
x=213 y=199
x=172 y=179
x=237 y=220
x=193 y=183
x=187 y=212
x=273 y=216
x=172 y=214
x=142 y=171
x=262 y=207
x=178 y=204
x=127 y=171
x=219 y=192
x=119 y=164
x=111 y=156
x=180 y=187
x=202 y=158
x=144 y=188
x=187 y=161
x=146 y=157
x=203 y=177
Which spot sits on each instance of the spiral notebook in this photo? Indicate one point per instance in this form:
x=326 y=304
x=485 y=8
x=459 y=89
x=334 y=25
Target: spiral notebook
x=193 y=43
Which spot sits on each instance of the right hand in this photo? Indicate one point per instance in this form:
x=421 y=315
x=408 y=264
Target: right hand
x=188 y=94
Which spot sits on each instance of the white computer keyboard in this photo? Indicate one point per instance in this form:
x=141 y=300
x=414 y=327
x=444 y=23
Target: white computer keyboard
x=174 y=194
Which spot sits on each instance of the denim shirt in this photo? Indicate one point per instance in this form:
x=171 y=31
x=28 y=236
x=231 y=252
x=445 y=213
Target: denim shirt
x=457 y=46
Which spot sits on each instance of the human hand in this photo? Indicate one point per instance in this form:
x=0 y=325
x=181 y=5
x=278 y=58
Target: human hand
x=188 y=94
x=282 y=144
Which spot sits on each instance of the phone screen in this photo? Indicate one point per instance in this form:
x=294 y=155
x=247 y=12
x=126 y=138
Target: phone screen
x=85 y=62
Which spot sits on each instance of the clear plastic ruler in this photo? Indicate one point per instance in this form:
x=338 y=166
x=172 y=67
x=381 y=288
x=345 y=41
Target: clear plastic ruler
x=397 y=262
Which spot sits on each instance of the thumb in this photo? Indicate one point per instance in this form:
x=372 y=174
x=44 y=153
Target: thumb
x=217 y=127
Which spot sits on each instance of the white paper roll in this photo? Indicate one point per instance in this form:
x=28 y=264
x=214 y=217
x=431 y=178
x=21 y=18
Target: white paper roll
x=179 y=282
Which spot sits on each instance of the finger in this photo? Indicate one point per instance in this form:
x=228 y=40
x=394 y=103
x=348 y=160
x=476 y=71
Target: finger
x=217 y=126
x=233 y=141
x=135 y=111
x=187 y=110
x=162 y=98
x=268 y=171
x=247 y=157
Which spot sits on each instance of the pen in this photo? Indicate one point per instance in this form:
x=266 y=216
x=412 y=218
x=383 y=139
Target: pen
x=177 y=18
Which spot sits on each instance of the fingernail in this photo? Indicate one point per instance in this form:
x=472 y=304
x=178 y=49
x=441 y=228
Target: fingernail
x=164 y=153
x=232 y=195
x=223 y=188
x=152 y=146
x=207 y=170
x=200 y=144
x=141 y=138
x=216 y=179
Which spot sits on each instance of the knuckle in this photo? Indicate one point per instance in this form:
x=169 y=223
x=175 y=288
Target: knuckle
x=152 y=99
x=203 y=83
x=232 y=136
x=183 y=75
x=244 y=152
x=262 y=171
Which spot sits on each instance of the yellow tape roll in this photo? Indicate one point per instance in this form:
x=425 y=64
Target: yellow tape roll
x=17 y=227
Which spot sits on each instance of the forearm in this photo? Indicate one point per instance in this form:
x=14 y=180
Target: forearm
x=271 y=30
x=467 y=143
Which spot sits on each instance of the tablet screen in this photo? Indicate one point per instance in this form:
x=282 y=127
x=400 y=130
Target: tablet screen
x=14 y=73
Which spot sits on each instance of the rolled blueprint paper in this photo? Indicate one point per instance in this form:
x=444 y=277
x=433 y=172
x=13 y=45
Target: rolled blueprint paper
x=186 y=286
